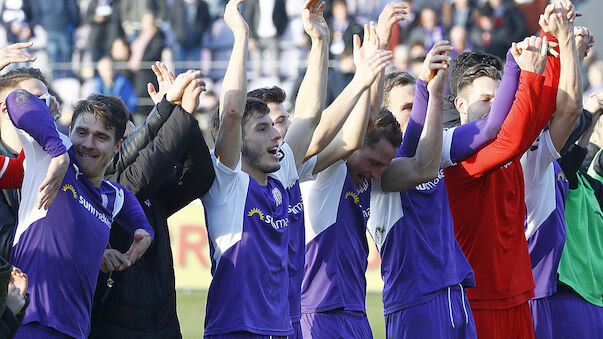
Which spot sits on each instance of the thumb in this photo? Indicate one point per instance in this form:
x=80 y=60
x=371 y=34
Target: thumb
x=515 y=51
x=151 y=89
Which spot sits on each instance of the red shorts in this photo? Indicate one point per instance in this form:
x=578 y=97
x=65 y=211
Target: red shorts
x=514 y=322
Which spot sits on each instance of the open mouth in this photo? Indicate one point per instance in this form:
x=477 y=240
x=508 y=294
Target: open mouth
x=274 y=152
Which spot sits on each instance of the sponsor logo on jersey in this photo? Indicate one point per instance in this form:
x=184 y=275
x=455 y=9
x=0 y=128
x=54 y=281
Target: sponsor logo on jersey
x=296 y=209
x=277 y=224
x=427 y=186
x=363 y=186
x=98 y=214
x=352 y=195
x=68 y=187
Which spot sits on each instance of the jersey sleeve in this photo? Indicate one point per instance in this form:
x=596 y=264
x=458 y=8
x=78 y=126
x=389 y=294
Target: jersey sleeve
x=11 y=173
x=416 y=121
x=446 y=146
x=131 y=216
x=519 y=130
x=30 y=114
x=470 y=137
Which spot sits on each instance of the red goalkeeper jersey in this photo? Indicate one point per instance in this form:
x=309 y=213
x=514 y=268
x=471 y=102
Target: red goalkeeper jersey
x=486 y=195
x=11 y=172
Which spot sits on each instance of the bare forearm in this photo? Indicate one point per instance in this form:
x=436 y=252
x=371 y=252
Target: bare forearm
x=354 y=129
x=377 y=94
x=334 y=117
x=232 y=103
x=429 y=150
x=312 y=91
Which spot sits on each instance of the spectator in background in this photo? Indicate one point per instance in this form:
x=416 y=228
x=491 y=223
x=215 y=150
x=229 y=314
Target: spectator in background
x=338 y=78
x=595 y=79
x=509 y=20
x=409 y=23
x=417 y=56
x=430 y=30
x=459 y=40
x=190 y=20
x=401 y=58
x=103 y=17
x=267 y=22
x=146 y=48
x=342 y=27
x=488 y=35
x=120 y=53
x=457 y=13
x=15 y=18
x=108 y=83
x=59 y=18
x=133 y=10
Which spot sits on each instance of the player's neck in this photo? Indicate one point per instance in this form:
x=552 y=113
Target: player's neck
x=257 y=174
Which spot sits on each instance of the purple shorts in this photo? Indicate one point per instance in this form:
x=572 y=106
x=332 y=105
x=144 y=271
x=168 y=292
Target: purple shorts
x=574 y=317
x=336 y=324
x=447 y=315
x=36 y=330
x=541 y=318
x=243 y=335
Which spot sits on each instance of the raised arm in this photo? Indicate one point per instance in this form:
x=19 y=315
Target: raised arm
x=369 y=61
x=312 y=92
x=569 y=93
x=404 y=173
x=529 y=114
x=392 y=13
x=234 y=89
x=435 y=60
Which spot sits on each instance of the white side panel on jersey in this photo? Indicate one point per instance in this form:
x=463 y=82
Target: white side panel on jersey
x=225 y=207
x=321 y=199
x=446 y=147
x=306 y=170
x=35 y=167
x=386 y=210
x=540 y=181
x=119 y=198
x=287 y=174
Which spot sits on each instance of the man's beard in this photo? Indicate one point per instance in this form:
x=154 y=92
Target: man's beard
x=254 y=157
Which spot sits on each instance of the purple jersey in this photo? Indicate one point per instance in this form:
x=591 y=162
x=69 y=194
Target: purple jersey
x=336 y=245
x=546 y=189
x=414 y=234
x=297 y=238
x=248 y=229
x=61 y=248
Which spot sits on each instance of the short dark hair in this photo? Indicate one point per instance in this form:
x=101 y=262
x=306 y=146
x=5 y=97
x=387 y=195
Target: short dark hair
x=475 y=72
x=270 y=95
x=111 y=110
x=385 y=127
x=467 y=60
x=10 y=80
x=396 y=79
x=253 y=107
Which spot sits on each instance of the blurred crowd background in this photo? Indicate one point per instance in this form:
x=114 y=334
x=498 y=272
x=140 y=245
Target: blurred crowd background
x=108 y=46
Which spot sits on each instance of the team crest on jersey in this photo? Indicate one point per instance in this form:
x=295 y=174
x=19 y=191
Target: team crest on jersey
x=77 y=171
x=353 y=196
x=278 y=197
x=105 y=200
x=68 y=187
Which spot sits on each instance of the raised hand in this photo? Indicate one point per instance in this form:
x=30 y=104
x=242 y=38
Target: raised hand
x=594 y=103
x=15 y=54
x=176 y=90
x=314 y=22
x=234 y=19
x=369 y=59
x=584 y=41
x=532 y=58
x=554 y=21
x=165 y=79
x=437 y=83
x=437 y=59
x=54 y=178
x=392 y=13
x=114 y=260
x=190 y=98
x=142 y=241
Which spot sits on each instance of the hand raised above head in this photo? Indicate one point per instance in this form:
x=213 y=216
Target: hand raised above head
x=436 y=59
x=234 y=19
x=554 y=21
x=392 y=13
x=368 y=58
x=165 y=79
x=532 y=58
x=15 y=53
x=314 y=22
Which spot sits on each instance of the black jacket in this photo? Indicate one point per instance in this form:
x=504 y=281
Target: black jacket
x=279 y=17
x=167 y=173
x=191 y=36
